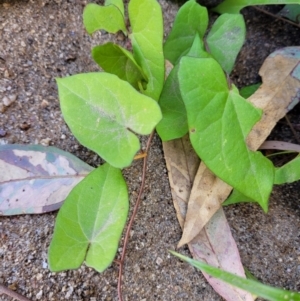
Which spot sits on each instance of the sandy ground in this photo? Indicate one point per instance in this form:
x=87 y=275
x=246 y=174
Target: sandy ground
x=44 y=39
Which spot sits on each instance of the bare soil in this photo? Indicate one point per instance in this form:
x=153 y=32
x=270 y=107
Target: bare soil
x=44 y=39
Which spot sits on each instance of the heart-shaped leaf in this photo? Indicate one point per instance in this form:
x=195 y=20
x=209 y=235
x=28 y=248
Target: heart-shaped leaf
x=108 y=18
x=37 y=179
x=219 y=121
x=102 y=111
x=190 y=20
x=174 y=122
x=117 y=60
x=147 y=40
x=89 y=224
x=226 y=39
x=118 y=3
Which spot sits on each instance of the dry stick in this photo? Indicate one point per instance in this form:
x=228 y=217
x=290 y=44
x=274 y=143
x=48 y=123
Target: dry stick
x=135 y=209
x=292 y=128
x=276 y=16
x=9 y=292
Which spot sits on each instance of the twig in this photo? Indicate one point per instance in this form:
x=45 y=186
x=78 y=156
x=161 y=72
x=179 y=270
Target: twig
x=292 y=128
x=9 y=292
x=276 y=16
x=135 y=209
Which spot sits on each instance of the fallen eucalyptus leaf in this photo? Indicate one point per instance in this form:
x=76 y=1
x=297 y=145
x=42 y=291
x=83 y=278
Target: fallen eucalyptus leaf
x=280 y=145
x=103 y=111
x=214 y=244
x=37 y=179
x=90 y=222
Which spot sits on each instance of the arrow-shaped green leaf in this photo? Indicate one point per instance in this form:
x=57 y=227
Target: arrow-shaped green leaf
x=174 y=122
x=118 y=3
x=190 y=20
x=234 y=6
x=102 y=111
x=90 y=222
x=116 y=60
x=226 y=39
x=288 y=173
x=108 y=18
x=219 y=121
x=147 y=39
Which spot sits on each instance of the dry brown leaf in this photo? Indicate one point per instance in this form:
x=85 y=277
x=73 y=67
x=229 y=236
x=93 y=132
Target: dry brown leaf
x=214 y=244
x=182 y=163
x=275 y=97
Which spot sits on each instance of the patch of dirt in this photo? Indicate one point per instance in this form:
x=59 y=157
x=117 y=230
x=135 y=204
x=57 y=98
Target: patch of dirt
x=44 y=39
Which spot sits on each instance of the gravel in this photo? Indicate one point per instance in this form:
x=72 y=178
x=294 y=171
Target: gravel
x=44 y=39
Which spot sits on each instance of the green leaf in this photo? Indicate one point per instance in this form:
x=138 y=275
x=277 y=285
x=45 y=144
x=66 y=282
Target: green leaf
x=90 y=222
x=147 y=38
x=237 y=197
x=219 y=121
x=102 y=111
x=117 y=60
x=234 y=6
x=252 y=286
x=174 y=122
x=249 y=90
x=118 y=3
x=108 y=18
x=226 y=39
x=288 y=173
x=292 y=12
x=190 y=20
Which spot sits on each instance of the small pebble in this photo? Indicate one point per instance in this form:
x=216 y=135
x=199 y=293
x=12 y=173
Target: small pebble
x=2 y=107
x=45 y=142
x=159 y=261
x=13 y=286
x=7 y=101
x=2 y=133
x=39 y=295
x=44 y=103
x=24 y=126
x=6 y=74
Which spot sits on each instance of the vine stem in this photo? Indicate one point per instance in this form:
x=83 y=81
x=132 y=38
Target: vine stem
x=5 y=290
x=276 y=16
x=135 y=209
